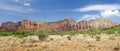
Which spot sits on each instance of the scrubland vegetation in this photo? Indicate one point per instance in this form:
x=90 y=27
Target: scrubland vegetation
x=42 y=34
x=92 y=40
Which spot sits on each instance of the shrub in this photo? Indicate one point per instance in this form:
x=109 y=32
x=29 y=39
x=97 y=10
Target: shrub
x=5 y=33
x=31 y=33
x=71 y=33
x=94 y=32
x=110 y=31
x=20 y=33
x=82 y=32
x=69 y=37
x=98 y=38
x=51 y=39
x=42 y=34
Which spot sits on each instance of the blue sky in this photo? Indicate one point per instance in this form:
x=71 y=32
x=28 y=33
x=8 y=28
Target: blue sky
x=53 y=10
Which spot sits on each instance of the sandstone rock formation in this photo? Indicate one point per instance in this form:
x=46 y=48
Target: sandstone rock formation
x=30 y=25
x=66 y=24
x=96 y=24
x=0 y=28
x=9 y=26
x=62 y=25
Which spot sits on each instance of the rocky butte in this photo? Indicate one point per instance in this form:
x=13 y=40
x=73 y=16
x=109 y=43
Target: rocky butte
x=62 y=25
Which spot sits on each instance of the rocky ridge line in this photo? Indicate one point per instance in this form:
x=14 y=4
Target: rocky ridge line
x=62 y=25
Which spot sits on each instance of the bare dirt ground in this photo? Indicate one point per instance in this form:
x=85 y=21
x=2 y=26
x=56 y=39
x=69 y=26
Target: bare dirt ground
x=61 y=43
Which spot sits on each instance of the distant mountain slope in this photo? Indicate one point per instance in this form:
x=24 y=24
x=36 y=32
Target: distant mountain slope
x=62 y=25
x=97 y=23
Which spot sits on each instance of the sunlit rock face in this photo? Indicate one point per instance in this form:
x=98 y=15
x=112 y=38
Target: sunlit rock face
x=0 y=28
x=30 y=25
x=62 y=25
x=96 y=24
x=9 y=26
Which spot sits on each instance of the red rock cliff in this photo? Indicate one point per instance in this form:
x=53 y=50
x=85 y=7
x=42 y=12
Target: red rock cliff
x=62 y=25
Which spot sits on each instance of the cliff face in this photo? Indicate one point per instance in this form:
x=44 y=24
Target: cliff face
x=62 y=25
x=9 y=26
x=0 y=28
x=96 y=24
x=30 y=25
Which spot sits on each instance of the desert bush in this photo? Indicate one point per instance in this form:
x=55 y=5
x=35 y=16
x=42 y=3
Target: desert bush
x=42 y=34
x=96 y=32
x=71 y=33
x=82 y=32
x=51 y=39
x=69 y=37
x=98 y=38
x=56 y=33
x=5 y=33
x=20 y=33
x=30 y=33
x=110 y=31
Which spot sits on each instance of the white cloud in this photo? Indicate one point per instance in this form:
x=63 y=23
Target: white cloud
x=99 y=7
x=26 y=4
x=23 y=0
x=88 y=17
x=14 y=8
x=104 y=10
x=17 y=0
x=110 y=13
x=103 y=14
